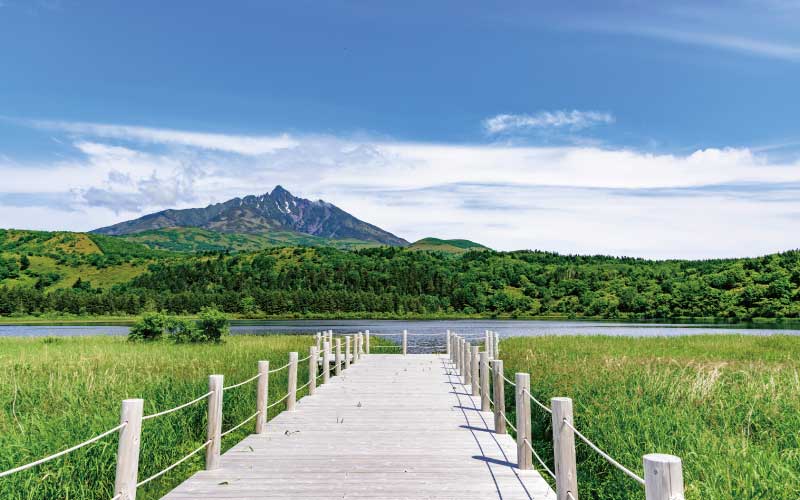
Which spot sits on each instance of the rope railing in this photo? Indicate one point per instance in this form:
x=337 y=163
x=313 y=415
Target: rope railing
x=539 y=459
x=179 y=407
x=278 y=401
x=170 y=467
x=234 y=386
x=281 y=368
x=603 y=454
x=461 y=362
x=251 y=417
x=63 y=452
x=539 y=403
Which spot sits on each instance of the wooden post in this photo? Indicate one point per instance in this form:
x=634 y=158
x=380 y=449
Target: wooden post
x=447 y=343
x=262 y=396
x=564 y=449
x=486 y=336
x=312 y=370
x=490 y=344
x=485 y=404
x=361 y=344
x=356 y=340
x=496 y=348
x=128 y=448
x=499 y=397
x=366 y=336
x=663 y=477
x=292 y=385
x=326 y=362
x=405 y=341
x=214 y=430
x=467 y=363
x=524 y=456
x=461 y=359
x=319 y=341
x=347 y=352
x=475 y=367
x=338 y=360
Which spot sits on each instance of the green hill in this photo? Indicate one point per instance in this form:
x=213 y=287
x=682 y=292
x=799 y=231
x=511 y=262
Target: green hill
x=195 y=239
x=51 y=260
x=451 y=246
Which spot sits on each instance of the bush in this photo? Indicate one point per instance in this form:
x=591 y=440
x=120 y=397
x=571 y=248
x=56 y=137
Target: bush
x=213 y=325
x=182 y=331
x=149 y=327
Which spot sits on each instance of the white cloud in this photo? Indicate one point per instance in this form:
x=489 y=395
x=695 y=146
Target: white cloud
x=770 y=49
x=712 y=202
x=574 y=120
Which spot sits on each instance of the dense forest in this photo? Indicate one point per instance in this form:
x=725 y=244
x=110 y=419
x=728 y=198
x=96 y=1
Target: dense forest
x=393 y=282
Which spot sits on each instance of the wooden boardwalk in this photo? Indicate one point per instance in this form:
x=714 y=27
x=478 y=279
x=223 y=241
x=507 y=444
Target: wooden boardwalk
x=390 y=427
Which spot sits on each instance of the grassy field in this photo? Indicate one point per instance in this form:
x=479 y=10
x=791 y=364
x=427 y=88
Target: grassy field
x=56 y=392
x=728 y=405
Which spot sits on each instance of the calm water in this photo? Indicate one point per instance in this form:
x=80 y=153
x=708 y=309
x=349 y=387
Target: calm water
x=428 y=334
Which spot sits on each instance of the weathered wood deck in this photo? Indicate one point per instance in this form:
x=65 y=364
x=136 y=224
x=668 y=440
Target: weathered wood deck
x=389 y=427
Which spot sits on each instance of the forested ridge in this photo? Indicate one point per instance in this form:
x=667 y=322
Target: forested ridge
x=396 y=282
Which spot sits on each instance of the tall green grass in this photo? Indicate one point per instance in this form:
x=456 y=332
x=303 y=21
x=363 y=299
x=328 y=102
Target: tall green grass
x=56 y=392
x=728 y=405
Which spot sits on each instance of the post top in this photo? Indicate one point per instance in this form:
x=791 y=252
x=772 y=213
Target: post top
x=661 y=458
x=133 y=401
x=293 y=355
x=560 y=400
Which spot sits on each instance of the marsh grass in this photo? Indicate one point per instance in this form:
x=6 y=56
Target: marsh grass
x=728 y=405
x=56 y=392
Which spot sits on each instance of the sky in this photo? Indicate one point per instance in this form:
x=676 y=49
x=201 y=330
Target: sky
x=648 y=129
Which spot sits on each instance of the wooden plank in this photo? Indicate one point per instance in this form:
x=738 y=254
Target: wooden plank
x=389 y=427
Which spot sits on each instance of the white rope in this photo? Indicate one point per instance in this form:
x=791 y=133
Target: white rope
x=605 y=455
x=304 y=359
x=546 y=468
x=543 y=407
x=251 y=417
x=281 y=368
x=278 y=401
x=510 y=382
x=64 y=452
x=303 y=386
x=159 y=474
x=241 y=383
x=569 y=494
x=118 y=496
x=508 y=422
x=180 y=407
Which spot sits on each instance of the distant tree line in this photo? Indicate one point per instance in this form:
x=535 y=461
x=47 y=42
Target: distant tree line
x=393 y=281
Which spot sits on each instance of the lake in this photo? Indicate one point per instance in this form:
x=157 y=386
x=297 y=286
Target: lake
x=423 y=335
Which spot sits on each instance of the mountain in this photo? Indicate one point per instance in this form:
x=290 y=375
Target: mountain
x=275 y=211
x=450 y=246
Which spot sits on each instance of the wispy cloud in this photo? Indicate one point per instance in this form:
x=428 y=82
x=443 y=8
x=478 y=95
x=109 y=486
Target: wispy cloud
x=763 y=48
x=573 y=120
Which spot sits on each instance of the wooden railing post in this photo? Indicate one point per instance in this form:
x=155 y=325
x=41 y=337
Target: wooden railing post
x=347 y=352
x=361 y=344
x=485 y=404
x=486 y=338
x=564 y=449
x=128 y=448
x=319 y=341
x=312 y=369
x=338 y=359
x=663 y=477
x=476 y=373
x=405 y=341
x=262 y=396
x=326 y=362
x=467 y=363
x=499 y=397
x=356 y=341
x=214 y=430
x=490 y=346
x=496 y=348
x=524 y=456
x=366 y=338
x=447 y=343
x=292 y=385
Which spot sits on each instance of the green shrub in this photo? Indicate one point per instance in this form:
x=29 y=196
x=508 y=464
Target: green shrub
x=183 y=331
x=149 y=327
x=213 y=325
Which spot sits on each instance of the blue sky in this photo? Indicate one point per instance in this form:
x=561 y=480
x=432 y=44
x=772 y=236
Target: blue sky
x=589 y=127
